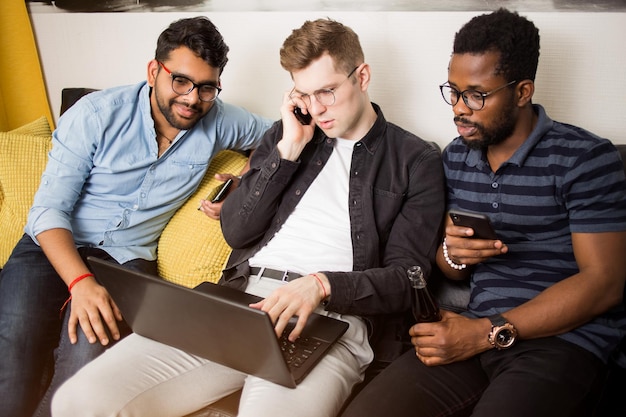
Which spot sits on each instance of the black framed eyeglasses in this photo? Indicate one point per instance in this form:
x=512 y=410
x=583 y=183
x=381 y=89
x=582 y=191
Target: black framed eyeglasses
x=183 y=86
x=324 y=96
x=473 y=99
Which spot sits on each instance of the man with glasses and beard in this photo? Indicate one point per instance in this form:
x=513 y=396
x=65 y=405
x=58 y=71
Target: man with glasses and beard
x=341 y=206
x=123 y=161
x=545 y=308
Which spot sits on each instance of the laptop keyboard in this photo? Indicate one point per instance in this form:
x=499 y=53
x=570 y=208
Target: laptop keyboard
x=296 y=353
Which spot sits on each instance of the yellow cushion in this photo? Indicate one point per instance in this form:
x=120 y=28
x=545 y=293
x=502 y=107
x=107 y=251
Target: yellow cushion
x=192 y=249
x=23 y=157
x=39 y=127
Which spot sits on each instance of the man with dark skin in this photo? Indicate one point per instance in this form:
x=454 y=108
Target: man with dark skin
x=545 y=308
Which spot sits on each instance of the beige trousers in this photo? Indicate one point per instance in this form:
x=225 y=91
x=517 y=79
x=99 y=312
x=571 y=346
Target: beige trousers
x=141 y=377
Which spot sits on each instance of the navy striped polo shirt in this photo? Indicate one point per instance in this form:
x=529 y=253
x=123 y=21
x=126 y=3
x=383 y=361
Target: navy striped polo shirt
x=562 y=180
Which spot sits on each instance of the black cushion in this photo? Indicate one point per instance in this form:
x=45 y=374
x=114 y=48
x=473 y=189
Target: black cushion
x=69 y=96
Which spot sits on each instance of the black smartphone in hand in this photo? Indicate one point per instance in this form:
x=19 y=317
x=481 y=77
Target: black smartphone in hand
x=222 y=191
x=480 y=223
x=304 y=119
x=219 y=193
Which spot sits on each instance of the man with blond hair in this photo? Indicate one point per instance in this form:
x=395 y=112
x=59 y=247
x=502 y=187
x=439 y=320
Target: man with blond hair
x=344 y=203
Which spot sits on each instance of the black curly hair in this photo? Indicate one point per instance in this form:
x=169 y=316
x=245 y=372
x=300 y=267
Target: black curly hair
x=513 y=36
x=198 y=34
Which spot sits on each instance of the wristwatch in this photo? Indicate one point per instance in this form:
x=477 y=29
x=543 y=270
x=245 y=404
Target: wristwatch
x=503 y=333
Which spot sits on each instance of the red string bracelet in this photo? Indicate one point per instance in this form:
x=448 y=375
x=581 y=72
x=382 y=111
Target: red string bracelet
x=77 y=280
x=321 y=285
x=69 y=288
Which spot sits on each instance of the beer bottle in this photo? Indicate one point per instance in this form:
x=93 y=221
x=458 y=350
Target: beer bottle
x=425 y=308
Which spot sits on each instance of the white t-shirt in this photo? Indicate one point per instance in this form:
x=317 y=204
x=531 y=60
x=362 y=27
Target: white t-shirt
x=316 y=236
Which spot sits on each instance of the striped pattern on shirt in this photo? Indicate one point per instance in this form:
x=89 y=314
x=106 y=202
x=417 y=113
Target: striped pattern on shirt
x=562 y=180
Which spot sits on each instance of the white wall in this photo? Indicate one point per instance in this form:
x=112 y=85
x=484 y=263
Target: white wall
x=581 y=78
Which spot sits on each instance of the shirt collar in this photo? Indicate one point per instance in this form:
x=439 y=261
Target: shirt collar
x=372 y=139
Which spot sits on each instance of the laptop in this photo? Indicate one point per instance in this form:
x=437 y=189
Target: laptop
x=215 y=322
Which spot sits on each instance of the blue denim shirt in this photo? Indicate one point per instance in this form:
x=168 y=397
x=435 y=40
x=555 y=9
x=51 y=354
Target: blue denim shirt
x=396 y=199
x=105 y=182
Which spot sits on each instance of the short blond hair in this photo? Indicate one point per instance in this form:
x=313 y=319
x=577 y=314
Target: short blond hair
x=315 y=38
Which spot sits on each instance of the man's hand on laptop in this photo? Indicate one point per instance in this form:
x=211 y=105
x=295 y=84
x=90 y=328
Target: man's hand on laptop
x=299 y=298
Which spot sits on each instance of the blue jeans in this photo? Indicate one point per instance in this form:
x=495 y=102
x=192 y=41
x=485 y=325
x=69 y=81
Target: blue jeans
x=36 y=356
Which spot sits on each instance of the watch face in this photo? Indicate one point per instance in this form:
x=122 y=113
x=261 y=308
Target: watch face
x=502 y=333
x=504 y=338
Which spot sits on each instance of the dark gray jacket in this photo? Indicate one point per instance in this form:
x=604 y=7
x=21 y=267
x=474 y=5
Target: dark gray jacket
x=396 y=202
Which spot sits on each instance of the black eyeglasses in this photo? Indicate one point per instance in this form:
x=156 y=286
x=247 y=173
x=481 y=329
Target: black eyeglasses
x=324 y=96
x=183 y=86
x=473 y=99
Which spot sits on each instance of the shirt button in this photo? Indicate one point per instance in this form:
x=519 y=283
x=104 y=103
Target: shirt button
x=298 y=192
x=494 y=185
x=319 y=162
x=329 y=140
x=143 y=195
x=356 y=173
x=494 y=205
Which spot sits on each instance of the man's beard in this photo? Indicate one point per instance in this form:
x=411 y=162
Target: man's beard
x=166 y=110
x=502 y=129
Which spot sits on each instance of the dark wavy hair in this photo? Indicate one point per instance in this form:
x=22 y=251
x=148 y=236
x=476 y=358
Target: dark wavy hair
x=198 y=34
x=513 y=36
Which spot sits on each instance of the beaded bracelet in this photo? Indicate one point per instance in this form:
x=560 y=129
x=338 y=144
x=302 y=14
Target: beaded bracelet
x=449 y=261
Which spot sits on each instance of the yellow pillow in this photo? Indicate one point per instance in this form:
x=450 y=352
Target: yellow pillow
x=39 y=127
x=191 y=248
x=23 y=157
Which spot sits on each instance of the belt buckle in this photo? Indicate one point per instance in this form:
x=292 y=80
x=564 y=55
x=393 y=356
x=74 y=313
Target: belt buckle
x=260 y=274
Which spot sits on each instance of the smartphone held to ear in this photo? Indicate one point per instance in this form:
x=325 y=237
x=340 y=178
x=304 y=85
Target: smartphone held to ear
x=304 y=119
x=480 y=223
